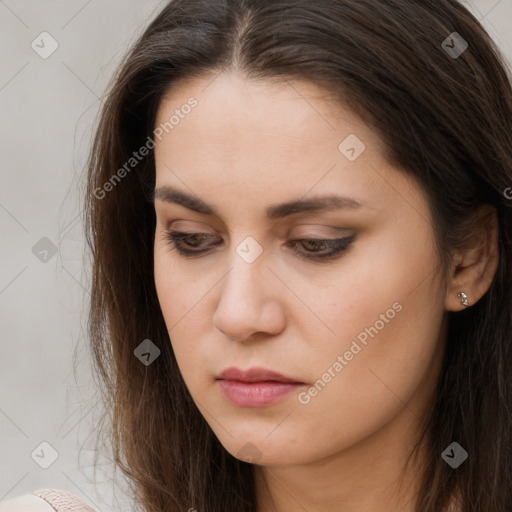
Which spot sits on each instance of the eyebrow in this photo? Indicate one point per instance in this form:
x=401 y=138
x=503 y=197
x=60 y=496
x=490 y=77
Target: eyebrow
x=278 y=211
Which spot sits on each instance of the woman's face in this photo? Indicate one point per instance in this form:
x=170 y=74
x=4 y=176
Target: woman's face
x=356 y=323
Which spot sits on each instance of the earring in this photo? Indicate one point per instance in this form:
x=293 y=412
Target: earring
x=463 y=299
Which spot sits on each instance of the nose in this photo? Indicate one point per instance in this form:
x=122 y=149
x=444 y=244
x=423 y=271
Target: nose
x=250 y=301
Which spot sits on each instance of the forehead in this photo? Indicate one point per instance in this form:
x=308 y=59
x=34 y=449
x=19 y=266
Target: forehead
x=267 y=141
x=255 y=123
x=230 y=104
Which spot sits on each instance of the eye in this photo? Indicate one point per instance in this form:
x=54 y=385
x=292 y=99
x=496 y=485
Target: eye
x=334 y=247
x=314 y=247
x=176 y=239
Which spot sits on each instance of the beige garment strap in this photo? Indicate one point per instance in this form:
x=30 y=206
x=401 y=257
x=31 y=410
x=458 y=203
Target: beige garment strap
x=63 y=501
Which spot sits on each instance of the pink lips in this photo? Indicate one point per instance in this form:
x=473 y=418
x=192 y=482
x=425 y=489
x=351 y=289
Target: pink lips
x=255 y=387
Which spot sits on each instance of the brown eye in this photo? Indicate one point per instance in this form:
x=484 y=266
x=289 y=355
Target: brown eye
x=333 y=246
x=176 y=238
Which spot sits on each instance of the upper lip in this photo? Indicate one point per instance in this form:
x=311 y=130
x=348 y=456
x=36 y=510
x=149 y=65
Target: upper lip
x=255 y=374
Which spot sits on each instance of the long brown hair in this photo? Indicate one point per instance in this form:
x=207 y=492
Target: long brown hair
x=445 y=119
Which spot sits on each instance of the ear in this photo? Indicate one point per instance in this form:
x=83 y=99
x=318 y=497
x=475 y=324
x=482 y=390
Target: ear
x=474 y=265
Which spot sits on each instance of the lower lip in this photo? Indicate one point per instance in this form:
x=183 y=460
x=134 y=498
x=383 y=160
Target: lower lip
x=256 y=394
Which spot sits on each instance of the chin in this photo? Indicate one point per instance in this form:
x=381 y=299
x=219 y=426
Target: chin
x=265 y=452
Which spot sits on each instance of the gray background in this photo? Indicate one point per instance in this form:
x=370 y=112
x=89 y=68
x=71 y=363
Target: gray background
x=48 y=108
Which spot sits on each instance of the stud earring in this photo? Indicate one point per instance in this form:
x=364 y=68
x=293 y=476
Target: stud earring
x=463 y=299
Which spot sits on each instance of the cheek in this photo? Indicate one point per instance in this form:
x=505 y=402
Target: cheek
x=387 y=322
x=389 y=299
x=177 y=285
x=393 y=370
x=182 y=299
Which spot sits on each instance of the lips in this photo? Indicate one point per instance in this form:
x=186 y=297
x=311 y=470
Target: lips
x=255 y=374
x=255 y=387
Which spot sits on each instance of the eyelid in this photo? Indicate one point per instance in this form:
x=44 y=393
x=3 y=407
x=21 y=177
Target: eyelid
x=340 y=233
x=332 y=232
x=335 y=246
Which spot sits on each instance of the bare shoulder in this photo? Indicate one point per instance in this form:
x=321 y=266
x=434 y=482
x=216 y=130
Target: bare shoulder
x=25 y=503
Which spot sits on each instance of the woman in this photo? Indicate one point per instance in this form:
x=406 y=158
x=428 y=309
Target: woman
x=300 y=220
x=223 y=252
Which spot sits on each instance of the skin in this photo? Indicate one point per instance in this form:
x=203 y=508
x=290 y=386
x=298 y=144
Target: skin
x=247 y=146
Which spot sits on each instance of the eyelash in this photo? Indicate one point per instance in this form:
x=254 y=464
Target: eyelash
x=339 y=245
